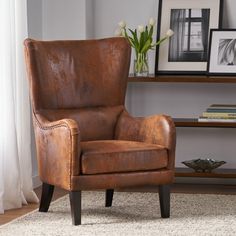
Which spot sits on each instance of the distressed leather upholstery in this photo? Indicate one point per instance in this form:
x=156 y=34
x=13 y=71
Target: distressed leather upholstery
x=99 y=157
x=85 y=138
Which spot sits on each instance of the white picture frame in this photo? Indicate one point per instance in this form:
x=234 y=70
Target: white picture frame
x=222 y=52
x=180 y=63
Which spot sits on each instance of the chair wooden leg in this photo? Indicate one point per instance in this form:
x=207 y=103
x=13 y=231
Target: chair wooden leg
x=164 y=197
x=75 y=204
x=109 y=197
x=46 y=197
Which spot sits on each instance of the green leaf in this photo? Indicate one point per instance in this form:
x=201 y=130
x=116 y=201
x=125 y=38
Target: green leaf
x=131 y=42
x=126 y=35
x=150 y=33
x=146 y=46
x=135 y=38
x=141 y=41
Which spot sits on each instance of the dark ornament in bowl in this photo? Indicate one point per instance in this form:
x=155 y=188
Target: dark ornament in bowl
x=203 y=165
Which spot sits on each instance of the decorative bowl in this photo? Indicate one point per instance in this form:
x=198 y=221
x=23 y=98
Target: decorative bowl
x=203 y=165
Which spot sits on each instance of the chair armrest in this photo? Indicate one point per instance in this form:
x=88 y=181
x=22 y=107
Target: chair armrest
x=58 y=150
x=156 y=129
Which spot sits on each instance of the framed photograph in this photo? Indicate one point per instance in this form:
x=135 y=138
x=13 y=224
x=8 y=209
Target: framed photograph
x=222 y=52
x=186 y=52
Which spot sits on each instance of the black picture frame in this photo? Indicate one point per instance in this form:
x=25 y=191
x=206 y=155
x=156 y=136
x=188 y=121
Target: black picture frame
x=182 y=63
x=222 y=52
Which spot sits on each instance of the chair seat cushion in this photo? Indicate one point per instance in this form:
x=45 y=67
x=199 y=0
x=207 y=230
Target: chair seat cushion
x=114 y=156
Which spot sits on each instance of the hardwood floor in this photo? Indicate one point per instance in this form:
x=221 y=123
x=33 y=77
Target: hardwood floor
x=176 y=188
x=13 y=214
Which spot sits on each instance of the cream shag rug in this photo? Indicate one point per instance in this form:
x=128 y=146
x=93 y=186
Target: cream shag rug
x=133 y=214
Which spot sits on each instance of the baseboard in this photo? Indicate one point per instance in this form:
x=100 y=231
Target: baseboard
x=36 y=181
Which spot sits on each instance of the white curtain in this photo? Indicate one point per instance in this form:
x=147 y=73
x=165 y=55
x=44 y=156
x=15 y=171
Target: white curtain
x=15 y=135
x=177 y=24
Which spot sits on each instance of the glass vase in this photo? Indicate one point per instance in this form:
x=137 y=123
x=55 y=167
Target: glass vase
x=141 y=65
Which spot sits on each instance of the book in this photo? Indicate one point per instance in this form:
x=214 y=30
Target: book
x=225 y=108
x=205 y=119
x=221 y=110
x=219 y=114
x=222 y=106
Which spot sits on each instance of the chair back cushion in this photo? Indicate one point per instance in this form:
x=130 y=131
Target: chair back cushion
x=77 y=73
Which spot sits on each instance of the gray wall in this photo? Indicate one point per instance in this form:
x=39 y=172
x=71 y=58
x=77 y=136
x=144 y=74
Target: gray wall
x=64 y=19
x=71 y=19
x=34 y=9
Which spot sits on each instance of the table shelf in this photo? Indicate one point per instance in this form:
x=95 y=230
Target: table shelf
x=217 y=173
x=183 y=79
x=193 y=122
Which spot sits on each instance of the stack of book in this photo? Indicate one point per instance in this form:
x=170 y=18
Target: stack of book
x=219 y=113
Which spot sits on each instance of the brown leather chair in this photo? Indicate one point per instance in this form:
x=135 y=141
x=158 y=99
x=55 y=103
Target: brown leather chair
x=85 y=138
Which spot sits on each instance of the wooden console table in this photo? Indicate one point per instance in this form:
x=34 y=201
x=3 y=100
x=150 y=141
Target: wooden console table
x=218 y=173
x=193 y=122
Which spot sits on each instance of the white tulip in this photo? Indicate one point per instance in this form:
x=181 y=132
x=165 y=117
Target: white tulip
x=140 y=28
x=152 y=21
x=118 y=32
x=122 y=24
x=169 y=33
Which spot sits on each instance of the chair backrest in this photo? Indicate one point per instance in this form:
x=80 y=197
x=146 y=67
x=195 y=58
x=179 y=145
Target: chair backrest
x=81 y=79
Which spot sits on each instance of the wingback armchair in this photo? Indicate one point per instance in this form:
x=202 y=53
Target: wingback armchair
x=85 y=138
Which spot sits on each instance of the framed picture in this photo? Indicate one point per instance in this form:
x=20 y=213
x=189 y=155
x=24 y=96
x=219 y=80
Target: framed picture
x=186 y=52
x=222 y=52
